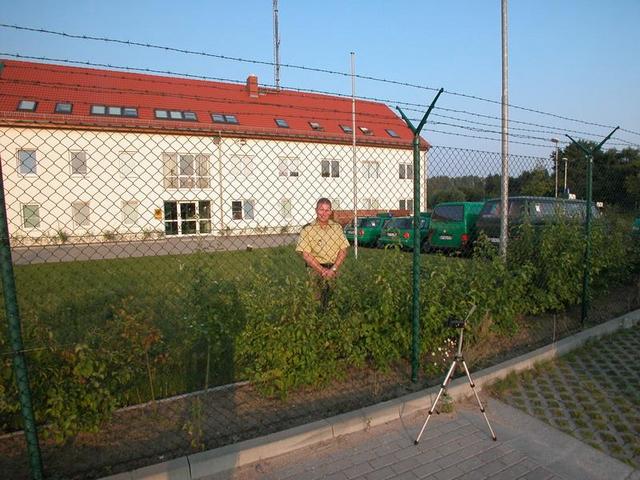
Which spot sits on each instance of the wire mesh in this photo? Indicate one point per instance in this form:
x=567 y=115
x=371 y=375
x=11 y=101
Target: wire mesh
x=165 y=309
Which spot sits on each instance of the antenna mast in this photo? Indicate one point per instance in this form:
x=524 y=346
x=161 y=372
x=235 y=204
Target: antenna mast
x=276 y=46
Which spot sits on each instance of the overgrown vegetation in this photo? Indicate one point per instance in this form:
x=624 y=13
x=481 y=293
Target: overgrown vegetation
x=102 y=335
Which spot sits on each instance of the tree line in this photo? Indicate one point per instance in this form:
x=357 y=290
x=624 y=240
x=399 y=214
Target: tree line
x=616 y=179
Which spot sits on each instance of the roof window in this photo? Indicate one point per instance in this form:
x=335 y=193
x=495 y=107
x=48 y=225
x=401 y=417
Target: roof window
x=346 y=128
x=392 y=133
x=222 y=118
x=114 y=110
x=366 y=130
x=315 y=126
x=175 y=115
x=282 y=123
x=63 y=107
x=27 y=105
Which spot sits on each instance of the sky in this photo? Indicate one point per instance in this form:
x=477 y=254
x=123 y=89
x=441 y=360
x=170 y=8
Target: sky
x=577 y=59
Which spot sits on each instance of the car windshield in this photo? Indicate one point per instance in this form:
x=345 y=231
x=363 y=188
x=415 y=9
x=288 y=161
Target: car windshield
x=448 y=213
x=369 y=222
x=402 y=223
x=491 y=209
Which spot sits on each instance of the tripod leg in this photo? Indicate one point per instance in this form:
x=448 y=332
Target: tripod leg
x=445 y=382
x=473 y=389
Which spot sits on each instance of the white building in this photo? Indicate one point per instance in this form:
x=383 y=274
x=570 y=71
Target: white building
x=97 y=155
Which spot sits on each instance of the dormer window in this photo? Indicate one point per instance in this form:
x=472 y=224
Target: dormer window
x=392 y=133
x=98 y=110
x=315 y=126
x=27 y=105
x=222 y=118
x=346 y=128
x=366 y=131
x=282 y=123
x=63 y=107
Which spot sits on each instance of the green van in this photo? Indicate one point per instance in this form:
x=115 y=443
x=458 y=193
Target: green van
x=539 y=210
x=635 y=230
x=453 y=225
x=368 y=228
x=399 y=231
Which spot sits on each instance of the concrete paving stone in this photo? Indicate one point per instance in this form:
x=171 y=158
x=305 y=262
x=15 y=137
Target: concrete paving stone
x=384 y=460
x=448 y=473
x=427 y=470
x=336 y=476
x=358 y=470
x=472 y=475
x=386 y=448
x=539 y=473
x=469 y=464
x=406 y=464
x=384 y=473
x=490 y=468
x=513 y=471
x=408 y=475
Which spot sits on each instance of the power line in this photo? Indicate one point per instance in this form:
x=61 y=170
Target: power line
x=298 y=67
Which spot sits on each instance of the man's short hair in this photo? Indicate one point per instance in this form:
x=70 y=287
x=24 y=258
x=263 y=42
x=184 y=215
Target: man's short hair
x=323 y=201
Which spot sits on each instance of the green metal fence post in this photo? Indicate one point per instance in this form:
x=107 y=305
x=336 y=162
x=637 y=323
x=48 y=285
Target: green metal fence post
x=19 y=362
x=415 y=336
x=586 y=301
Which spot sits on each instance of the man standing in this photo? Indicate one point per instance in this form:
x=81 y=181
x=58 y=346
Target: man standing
x=323 y=247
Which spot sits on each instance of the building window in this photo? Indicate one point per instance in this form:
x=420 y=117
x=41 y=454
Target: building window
x=286 y=208
x=78 y=162
x=315 y=126
x=27 y=105
x=130 y=112
x=27 y=162
x=186 y=170
x=392 y=133
x=63 y=107
x=330 y=168
x=222 y=118
x=288 y=167
x=370 y=204
x=406 y=204
x=31 y=215
x=366 y=130
x=405 y=171
x=81 y=212
x=130 y=215
x=243 y=209
x=282 y=123
x=346 y=128
x=370 y=169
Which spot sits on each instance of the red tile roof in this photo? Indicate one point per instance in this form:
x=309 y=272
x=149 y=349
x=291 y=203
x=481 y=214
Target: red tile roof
x=48 y=84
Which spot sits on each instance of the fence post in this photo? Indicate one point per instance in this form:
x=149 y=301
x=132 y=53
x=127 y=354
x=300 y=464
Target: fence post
x=415 y=342
x=19 y=362
x=587 y=228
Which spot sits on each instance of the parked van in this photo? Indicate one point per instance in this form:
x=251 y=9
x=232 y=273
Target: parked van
x=453 y=225
x=368 y=229
x=539 y=210
x=635 y=230
x=399 y=231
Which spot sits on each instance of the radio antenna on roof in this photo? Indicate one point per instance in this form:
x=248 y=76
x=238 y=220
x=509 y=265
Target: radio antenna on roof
x=276 y=46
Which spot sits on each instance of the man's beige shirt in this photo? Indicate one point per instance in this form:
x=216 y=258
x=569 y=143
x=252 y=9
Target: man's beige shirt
x=323 y=244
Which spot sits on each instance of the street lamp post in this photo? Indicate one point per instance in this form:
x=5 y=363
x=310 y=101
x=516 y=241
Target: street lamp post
x=556 y=141
x=566 y=161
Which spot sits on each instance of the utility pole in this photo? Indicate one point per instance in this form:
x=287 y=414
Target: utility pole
x=504 y=190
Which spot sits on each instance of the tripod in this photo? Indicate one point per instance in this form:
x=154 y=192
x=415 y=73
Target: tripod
x=458 y=361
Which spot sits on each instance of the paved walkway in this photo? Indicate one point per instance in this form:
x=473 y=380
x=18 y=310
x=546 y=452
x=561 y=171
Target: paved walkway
x=454 y=446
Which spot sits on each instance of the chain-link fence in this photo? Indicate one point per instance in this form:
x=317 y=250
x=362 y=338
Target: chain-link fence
x=165 y=310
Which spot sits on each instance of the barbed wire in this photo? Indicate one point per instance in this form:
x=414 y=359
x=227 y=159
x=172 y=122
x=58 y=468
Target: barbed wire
x=299 y=67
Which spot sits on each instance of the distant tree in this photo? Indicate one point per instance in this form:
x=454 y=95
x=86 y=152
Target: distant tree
x=536 y=182
x=451 y=195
